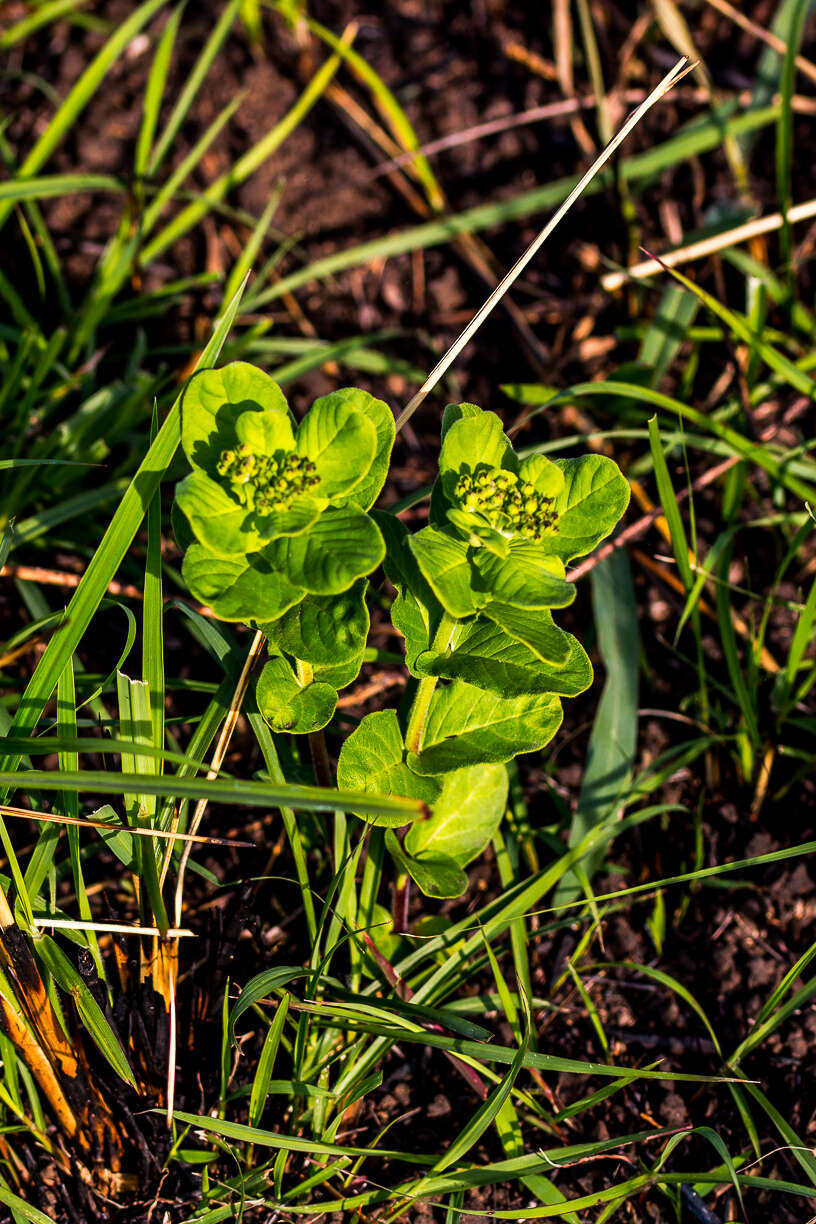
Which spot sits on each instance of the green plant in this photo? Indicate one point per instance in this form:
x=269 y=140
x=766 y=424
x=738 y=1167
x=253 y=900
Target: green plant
x=279 y=533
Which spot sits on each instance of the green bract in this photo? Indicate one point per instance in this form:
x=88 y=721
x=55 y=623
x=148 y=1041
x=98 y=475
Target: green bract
x=278 y=511
x=277 y=532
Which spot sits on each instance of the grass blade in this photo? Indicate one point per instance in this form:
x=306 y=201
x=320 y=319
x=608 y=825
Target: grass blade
x=80 y=95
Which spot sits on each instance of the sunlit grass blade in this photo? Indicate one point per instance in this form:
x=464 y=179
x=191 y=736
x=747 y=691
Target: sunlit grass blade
x=154 y=91
x=641 y=166
x=192 y=85
x=244 y=166
x=43 y=15
x=78 y=98
x=266 y=1062
x=613 y=742
x=219 y=790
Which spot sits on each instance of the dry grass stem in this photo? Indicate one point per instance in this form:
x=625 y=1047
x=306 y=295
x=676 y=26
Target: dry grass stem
x=709 y=246
x=677 y=73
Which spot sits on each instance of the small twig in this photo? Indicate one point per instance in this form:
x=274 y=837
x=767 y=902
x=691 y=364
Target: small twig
x=49 y=577
x=218 y=759
x=112 y=928
x=635 y=530
x=678 y=71
x=105 y=826
x=708 y=246
x=403 y=990
x=59 y=578
x=564 y=108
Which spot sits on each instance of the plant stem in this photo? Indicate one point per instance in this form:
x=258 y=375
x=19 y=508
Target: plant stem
x=317 y=740
x=422 y=701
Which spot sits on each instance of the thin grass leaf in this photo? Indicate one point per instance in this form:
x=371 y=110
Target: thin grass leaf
x=266 y=1062
x=784 y=133
x=641 y=166
x=217 y=790
x=671 y=509
x=245 y=166
x=93 y=584
x=154 y=91
x=243 y=265
x=92 y=1016
x=613 y=742
x=485 y=1115
x=264 y=1138
x=738 y=444
x=47 y=186
x=113 y=547
x=153 y=618
x=192 y=85
x=388 y=105
x=671 y=983
x=42 y=15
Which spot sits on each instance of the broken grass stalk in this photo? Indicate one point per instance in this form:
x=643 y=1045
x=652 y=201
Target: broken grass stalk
x=680 y=69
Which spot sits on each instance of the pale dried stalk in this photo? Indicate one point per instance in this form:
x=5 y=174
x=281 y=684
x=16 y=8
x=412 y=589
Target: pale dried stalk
x=107 y=827
x=709 y=246
x=110 y=928
x=216 y=763
x=677 y=73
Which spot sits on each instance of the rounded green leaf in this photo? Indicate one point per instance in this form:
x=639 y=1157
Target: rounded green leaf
x=265 y=433
x=415 y=613
x=544 y=475
x=535 y=628
x=341 y=442
x=594 y=497
x=342 y=545
x=444 y=562
x=529 y=577
x=472 y=439
x=366 y=492
x=466 y=815
x=476 y=440
x=435 y=875
x=457 y=412
x=289 y=706
x=487 y=657
x=340 y=675
x=380 y=929
x=298 y=518
x=213 y=400
x=324 y=630
x=471 y=726
x=238 y=588
x=182 y=531
x=218 y=521
x=372 y=760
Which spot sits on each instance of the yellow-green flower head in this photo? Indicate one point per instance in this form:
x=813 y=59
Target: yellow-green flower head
x=267 y=483
x=507 y=503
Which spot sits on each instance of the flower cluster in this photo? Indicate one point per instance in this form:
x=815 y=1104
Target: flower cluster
x=510 y=505
x=266 y=483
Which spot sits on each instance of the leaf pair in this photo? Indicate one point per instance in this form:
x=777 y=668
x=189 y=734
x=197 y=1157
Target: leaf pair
x=468 y=804
x=328 y=634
